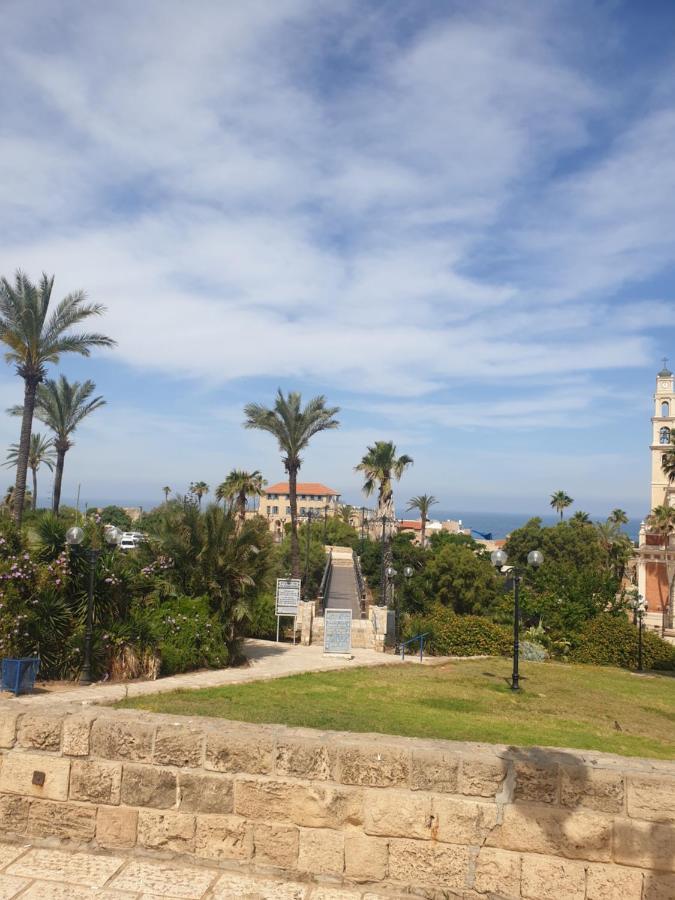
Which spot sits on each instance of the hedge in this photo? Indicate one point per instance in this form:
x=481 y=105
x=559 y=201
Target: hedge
x=453 y=635
x=613 y=641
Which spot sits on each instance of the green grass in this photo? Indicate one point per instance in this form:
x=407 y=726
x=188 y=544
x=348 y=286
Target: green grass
x=559 y=705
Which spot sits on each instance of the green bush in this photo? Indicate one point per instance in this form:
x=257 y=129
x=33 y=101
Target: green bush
x=453 y=635
x=613 y=641
x=262 y=622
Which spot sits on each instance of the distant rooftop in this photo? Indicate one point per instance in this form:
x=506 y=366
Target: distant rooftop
x=304 y=487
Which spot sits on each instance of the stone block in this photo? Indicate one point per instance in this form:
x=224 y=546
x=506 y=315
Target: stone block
x=16 y=776
x=397 y=814
x=238 y=752
x=247 y=887
x=68 y=821
x=458 y=821
x=321 y=852
x=645 y=844
x=88 y=870
x=368 y=765
x=205 y=793
x=75 y=736
x=114 y=738
x=167 y=879
x=166 y=831
x=497 y=872
x=95 y=781
x=434 y=770
x=482 y=776
x=7 y=728
x=311 y=805
x=536 y=784
x=179 y=745
x=536 y=829
x=224 y=838
x=366 y=858
x=314 y=760
x=600 y=790
x=39 y=732
x=116 y=827
x=651 y=798
x=148 y=786
x=658 y=887
x=276 y=845
x=13 y=814
x=549 y=878
x=607 y=882
x=428 y=863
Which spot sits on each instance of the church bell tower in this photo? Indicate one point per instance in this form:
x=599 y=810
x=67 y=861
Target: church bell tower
x=663 y=425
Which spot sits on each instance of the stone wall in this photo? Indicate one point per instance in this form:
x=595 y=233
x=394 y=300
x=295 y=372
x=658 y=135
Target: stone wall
x=430 y=818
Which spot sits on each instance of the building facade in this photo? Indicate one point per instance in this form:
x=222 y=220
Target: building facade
x=656 y=561
x=313 y=498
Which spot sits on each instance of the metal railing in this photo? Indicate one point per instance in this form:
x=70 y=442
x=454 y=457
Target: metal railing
x=418 y=637
x=324 y=587
x=360 y=583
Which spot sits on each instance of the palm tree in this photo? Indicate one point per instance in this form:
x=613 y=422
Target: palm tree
x=662 y=521
x=669 y=459
x=379 y=465
x=62 y=405
x=167 y=490
x=35 y=340
x=8 y=499
x=423 y=503
x=237 y=487
x=580 y=518
x=199 y=488
x=293 y=427
x=41 y=452
x=618 y=517
x=560 y=501
x=346 y=512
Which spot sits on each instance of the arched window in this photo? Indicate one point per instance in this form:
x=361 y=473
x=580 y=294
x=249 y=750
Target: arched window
x=665 y=409
x=664 y=435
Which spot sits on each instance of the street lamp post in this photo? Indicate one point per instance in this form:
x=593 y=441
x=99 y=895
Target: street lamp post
x=74 y=537
x=639 y=605
x=499 y=559
x=383 y=580
x=363 y=527
x=325 y=524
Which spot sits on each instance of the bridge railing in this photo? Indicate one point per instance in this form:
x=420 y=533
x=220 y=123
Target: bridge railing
x=324 y=587
x=360 y=583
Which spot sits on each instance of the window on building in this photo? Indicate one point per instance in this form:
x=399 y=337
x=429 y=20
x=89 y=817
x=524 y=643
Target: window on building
x=664 y=435
x=275 y=510
x=665 y=409
x=288 y=510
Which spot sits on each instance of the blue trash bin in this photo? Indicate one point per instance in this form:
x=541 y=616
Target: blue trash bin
x=18 y=675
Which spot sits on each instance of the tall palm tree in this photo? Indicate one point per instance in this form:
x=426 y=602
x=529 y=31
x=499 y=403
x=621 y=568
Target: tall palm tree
x=167 y=490
x=41 y=452
x=580 y=518
x=618 y=517
x=199 y=488
x=293 y=427
x=669 y=459
x=62 y=405
x=34 y=340
x=560 y=501
x=423 y=504
x=237 y=487
x=662 y=521
x=346 y=513
x=379 y=465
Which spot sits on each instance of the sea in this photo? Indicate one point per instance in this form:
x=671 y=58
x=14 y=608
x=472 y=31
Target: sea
x=502 y=524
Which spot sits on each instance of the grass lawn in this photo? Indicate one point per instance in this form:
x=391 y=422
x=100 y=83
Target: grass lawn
x=560 y=705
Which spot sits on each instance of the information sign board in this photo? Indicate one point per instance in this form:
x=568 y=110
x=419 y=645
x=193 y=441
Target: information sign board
x=337 y=631
x=288 y=596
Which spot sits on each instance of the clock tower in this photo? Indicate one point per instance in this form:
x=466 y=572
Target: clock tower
x=663 y=425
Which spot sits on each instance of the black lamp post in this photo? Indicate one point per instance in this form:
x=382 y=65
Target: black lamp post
x=310 y=516
x=363 y=527
x=325 y=524
x=499 y=558
x=639 y=605
x=74 y=537
x=383 y=579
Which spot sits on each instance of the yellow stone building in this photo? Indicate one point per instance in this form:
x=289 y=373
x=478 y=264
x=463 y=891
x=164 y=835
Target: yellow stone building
x=314 y=497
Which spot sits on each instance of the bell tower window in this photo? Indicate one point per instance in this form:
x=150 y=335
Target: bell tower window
x=665 y=409
x=664 y=435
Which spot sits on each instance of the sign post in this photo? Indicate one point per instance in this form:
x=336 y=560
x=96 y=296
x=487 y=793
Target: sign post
x=337 y=631
x=288 y=597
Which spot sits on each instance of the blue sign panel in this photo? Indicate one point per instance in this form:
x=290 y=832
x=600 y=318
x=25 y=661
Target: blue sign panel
x=337 y=632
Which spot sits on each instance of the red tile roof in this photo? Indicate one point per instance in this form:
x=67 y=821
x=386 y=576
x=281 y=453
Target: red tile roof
x=410 y=525
x=304 y=487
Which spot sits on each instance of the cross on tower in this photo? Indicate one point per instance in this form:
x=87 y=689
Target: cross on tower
x=665 y=362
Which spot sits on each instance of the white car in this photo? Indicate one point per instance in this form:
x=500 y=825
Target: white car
x=130 y=540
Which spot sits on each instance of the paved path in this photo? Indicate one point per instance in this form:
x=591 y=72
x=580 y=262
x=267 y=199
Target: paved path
x=342 y=593
x=266 y=659
x=30 y=873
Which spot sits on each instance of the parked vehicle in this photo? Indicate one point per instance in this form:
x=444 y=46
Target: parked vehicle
x=131 y=540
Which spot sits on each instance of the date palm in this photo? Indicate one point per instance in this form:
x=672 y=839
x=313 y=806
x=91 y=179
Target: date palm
x=62 y=405
x=293 y=427
x=668 y=463
x=166 y=490
x=423 y=504
x=237 y=487
x=618 y=517
x=41 y=452
x=560 y=501
x=34 y=339
x=199 y=489
x=380 y=465
x=661 y=521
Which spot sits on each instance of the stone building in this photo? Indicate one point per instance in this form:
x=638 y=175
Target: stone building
x=313 y=498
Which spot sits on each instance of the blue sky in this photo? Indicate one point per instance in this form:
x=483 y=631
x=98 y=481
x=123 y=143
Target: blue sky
x=453 y=219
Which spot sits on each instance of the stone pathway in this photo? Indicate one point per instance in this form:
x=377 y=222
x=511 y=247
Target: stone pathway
x=267 y=660
x=30 y=873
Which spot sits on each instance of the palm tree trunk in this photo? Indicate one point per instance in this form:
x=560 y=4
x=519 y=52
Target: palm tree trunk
x=58 y=477
x=30 y=388
x=293 y=500
x=242 y=509
x=34 y=473
x=424 y=531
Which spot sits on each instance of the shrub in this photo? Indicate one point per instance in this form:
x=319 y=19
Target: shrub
x=613 y=641
x=532 y=651
x=453 y=635
x=262 y=622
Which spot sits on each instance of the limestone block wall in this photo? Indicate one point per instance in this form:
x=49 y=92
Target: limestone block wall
x=429 y=818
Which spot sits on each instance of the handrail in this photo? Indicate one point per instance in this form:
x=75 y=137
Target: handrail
x=324 y=587
x=418 y=637
x=360 y=583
